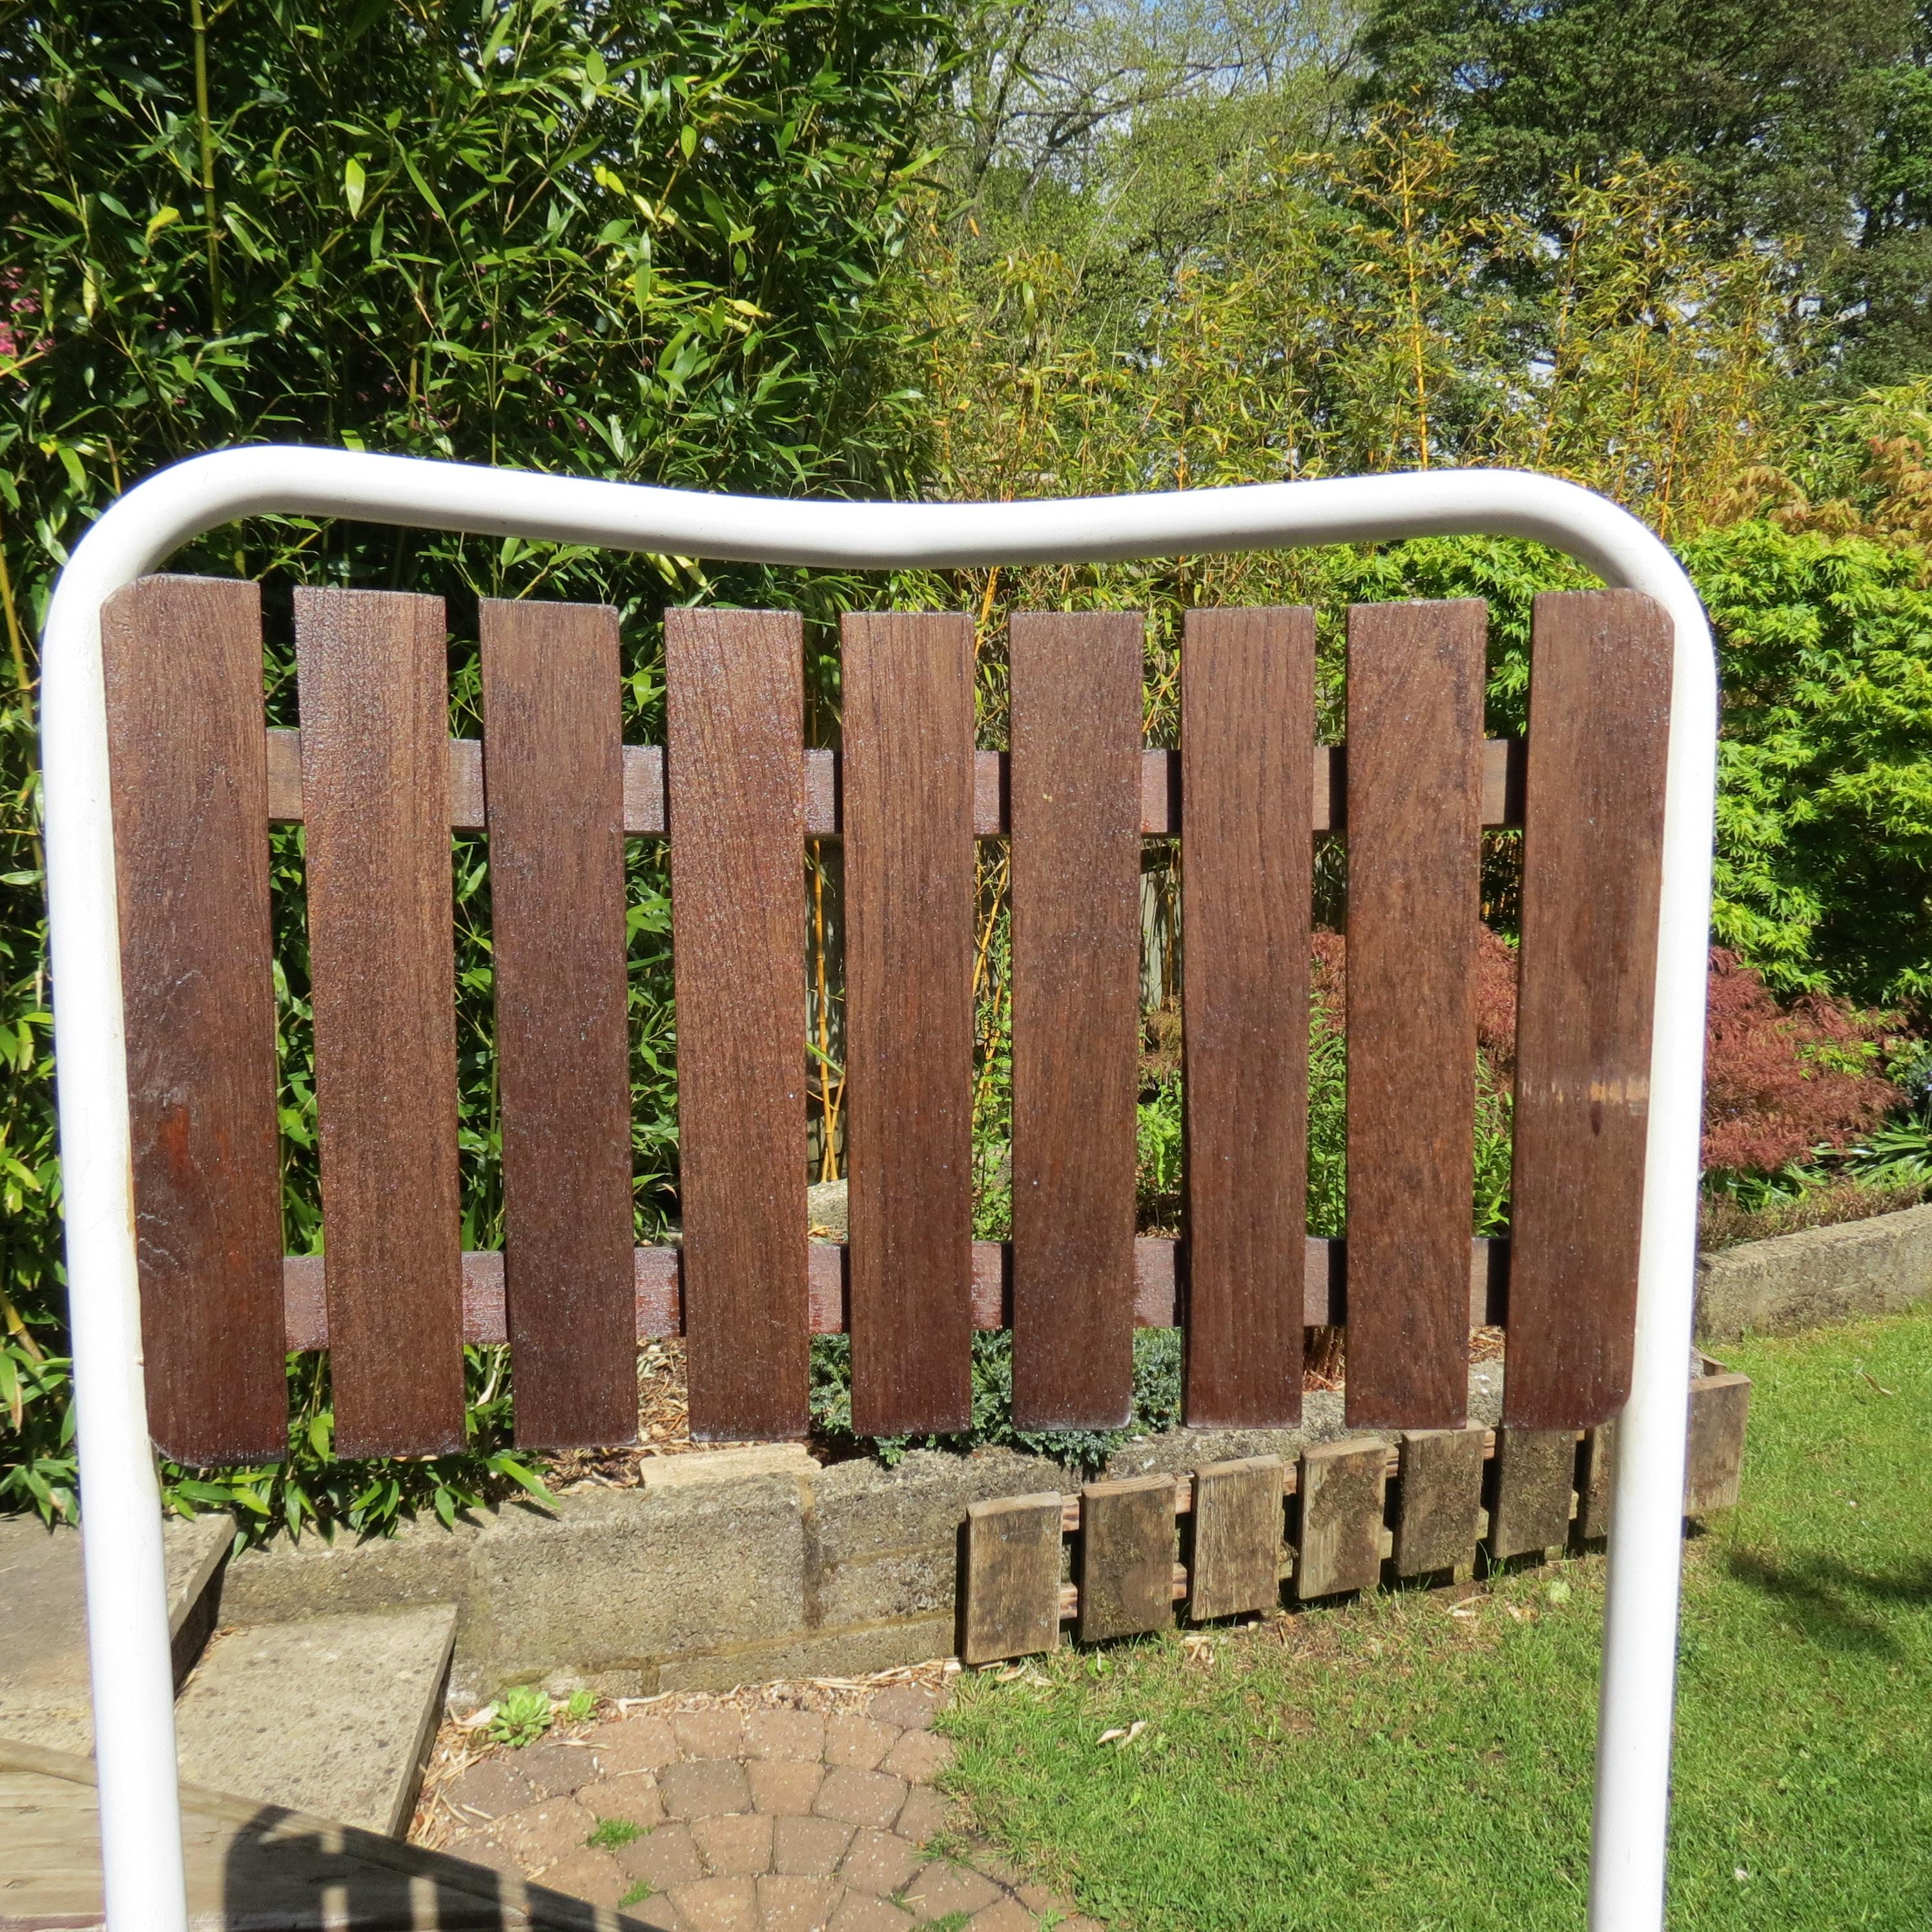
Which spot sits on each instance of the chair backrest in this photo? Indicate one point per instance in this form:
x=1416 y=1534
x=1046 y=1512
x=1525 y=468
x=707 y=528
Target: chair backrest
x=373 y=777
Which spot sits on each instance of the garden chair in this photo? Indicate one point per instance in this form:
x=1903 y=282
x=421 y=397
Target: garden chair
x=159 y=781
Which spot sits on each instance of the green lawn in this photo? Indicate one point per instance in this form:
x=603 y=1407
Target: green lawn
x=1405 y=1762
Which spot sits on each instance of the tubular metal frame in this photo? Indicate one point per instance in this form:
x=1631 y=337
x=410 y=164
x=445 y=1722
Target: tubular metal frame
x=134 y=1708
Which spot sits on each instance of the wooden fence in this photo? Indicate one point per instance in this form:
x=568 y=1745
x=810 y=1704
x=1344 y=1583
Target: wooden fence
x=377 y=783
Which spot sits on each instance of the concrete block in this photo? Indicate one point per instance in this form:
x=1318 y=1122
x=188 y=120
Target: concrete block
x=333 y=1716
x=1845 y=1273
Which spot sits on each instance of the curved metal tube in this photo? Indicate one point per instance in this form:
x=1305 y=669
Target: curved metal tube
x=128 y=1622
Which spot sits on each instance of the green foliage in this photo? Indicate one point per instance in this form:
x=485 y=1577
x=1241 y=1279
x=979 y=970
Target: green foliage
x=636 y=1895
x=1155 y=1404
x=644 y=242
x=613 y=1835
x=523 y=1715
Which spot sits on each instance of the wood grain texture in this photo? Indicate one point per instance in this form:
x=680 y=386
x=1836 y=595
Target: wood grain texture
x=1714 y=1466
x=1247 y=752
x=907 y=684
x=1596 y=1474
x=1534 y=1483
x=1593 y=839
x=735 y=694
x=1238 y=1537
x=1438 y=1500
x=1127 y=1557
x=182 y=658
x=1505 y=762
x=553 y=775
x=1340 y=1491
x=1076 y=732
x=1415 y=729
x=1011 y=1598
x=373 y=691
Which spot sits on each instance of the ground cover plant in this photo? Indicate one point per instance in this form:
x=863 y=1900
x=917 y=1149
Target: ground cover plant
x=1421 y=1758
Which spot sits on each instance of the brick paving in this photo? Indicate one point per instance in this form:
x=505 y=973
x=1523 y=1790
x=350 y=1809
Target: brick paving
x=718 y=1818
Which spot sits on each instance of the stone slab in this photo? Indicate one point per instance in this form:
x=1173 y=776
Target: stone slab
x=252 y=1867
x=1850 y=1272
x=332 y=1716
x=44 y=1697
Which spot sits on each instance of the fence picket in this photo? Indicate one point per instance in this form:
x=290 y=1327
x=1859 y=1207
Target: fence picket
x=372 y=681
x=907 y=683
x=1593 y=839
x=182 y=658
x=553 y=775
x=1247 y=746
x=735 y=701
x=1415 y=776
x=1076 y=856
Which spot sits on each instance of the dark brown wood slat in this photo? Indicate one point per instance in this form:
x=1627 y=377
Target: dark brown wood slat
x=907 y=682
x=1247 y=752
x=1076 y=732
x=1599 y=714
x=735 y=693
x=553 y=774
x=1503 y=764
x=1415 y=734
x=374 y=696
x=183 y=662
x=1127 y=1557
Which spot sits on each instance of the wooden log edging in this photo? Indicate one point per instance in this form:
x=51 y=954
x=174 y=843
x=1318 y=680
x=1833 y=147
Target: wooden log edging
x=1342 y=1516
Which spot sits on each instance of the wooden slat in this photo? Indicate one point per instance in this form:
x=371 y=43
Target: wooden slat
x=183 y=662
x=1439 y=1501
x=1595 y=1478
x=907 y=683
x=1247 y=747
x=373 y=691
x=1599 y=712
x=1075 y=731
x=734 y=688
x=1341 y=1487
x=1238 y=1527
x=1012 y=1597
x=553 y=772
x=1415 y=725
x=1127 y=1557
x=1535 y=1481
x=1714 y=1469
x=1504 y=763
x=1159 y=1264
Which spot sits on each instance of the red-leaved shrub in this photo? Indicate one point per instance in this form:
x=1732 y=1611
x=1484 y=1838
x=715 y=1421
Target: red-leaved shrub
x=1778 y=1081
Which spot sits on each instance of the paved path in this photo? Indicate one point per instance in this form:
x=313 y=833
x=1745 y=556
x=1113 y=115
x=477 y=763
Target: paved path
x=727 y=1818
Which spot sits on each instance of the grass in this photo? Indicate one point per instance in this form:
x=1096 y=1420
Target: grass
x=1409 y=1762
x=612 y=1834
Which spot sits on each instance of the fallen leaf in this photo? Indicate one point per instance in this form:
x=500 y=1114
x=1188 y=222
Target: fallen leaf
x=1124 y=1735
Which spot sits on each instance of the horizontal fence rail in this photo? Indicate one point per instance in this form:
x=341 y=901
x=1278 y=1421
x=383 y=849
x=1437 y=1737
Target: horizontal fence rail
x=379 y=786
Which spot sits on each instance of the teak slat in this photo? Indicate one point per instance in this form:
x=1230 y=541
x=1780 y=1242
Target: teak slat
x=1247 y=751
x=907 y=683
x=1714 y=1467
x=1237 y=1529
x=1415 y=735
x=1503 y=765
x=373 y=686
x=735 y=695
x=1340 y=1492
x=1535 y=1482
x=1439 y=1500
x=1592 y=860
x=553 y=773
x=1127 y=1557
x=1076 y=855
x=182 y=658
x=1012 y=1607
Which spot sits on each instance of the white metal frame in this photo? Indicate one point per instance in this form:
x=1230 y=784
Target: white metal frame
x=134 y=1709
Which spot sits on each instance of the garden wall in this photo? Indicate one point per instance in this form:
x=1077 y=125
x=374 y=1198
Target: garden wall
x=1821 y=1275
